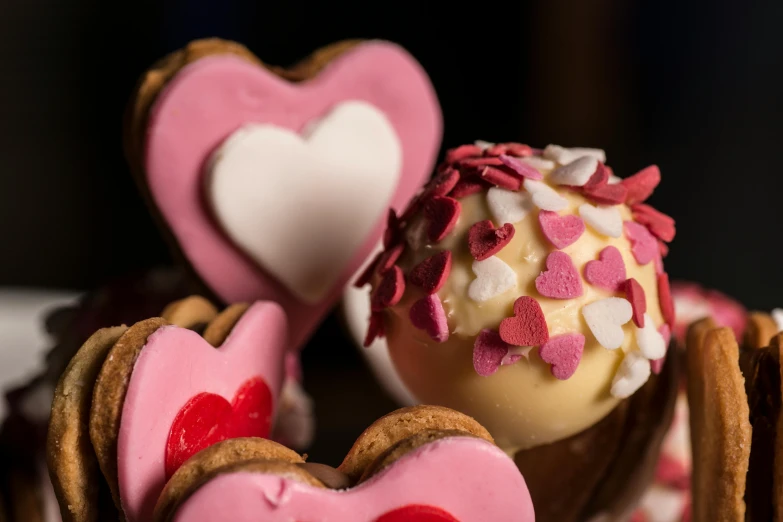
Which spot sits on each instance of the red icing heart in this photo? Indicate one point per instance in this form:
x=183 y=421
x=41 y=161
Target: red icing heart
x=501 y=178
x=665 y=298
x=561 y=279
x=641 y=185
x=467 y=187
x=484 y=240
x=528 y=326
x=608 y=271
x=635 y=294
x=431 y=273
x=442 y=213
x=208 y=418
x=561 y=231
x=417 y=513
x=659 y=224
x=601 y=191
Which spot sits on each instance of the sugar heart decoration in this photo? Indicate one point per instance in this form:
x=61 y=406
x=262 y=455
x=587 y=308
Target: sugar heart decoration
x=489 y=352
x=509 y=149
x=432 y=273
x=644 y=247
x=544 y=196
x=635 y=295
x=467 y=187
x=659 y=224
x=665 y=299
x=575 y=173
x=507 y=206
x=631 y=375
x=390 y=290
x=493 y=277
x=565 y=156
x=606 y=318
x=484 y=240
x=641 y=185
x=442 y=213
x=427 y=314
x=178 y=365
x=465 y=478
x=520 y=167
x=539 y=163
x=561 y=231
x=608 y=271
x=500 y=177
x=462 y=152
x=561 y=279
x=528 y=326
x=564 y=353
x=604 y=220
x=211 y=98
x=650 y=340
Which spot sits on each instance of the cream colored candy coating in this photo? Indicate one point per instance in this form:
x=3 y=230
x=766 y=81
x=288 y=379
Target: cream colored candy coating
x=522 y=405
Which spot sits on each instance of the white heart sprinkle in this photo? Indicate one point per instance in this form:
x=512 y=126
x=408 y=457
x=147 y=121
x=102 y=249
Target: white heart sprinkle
x=507 y=206
x=493 y=277
x=604 y=220
x=544 y=196
x=777 y=315
x=631 y=375
x=539 y=163
x=576 y=173
x=650 y=341
x=565 y=156
x=606 y=318
x=483 y=145
x=614 y=180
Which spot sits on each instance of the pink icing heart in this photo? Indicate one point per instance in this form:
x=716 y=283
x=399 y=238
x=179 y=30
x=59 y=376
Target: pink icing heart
x=465 y=478
x=564 y=353
x=608 y=271
x=561 y=279
x=210 y=99
x=561 y=231
x=427 y=314
x=489 y=351
x=644 y=246
x=176 y=365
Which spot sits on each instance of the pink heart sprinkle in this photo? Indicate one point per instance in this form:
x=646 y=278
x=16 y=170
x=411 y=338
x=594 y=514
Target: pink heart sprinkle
x=635 y=294
x=561 y=279
x=489 y=350
x=427 y=314
x=432 y=273
x=521 y=168
x=608 y=271
x=644 y=246
x=561 y=231
x=443 y=213
x=389 y=291
x=564 y=353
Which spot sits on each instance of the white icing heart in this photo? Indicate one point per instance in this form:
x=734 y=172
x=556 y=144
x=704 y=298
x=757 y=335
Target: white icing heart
x=564 y=156
x=604 y=220
x=539 y=163
x=267 y=185
x=507 y=206
x=493 y=277
x=544 y=196
x=631 y=375
x=606 y=318
x=650 y=341
x=576 y=173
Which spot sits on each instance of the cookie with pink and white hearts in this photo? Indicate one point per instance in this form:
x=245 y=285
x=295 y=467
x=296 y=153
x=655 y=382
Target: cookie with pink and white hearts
x=272 y=183
x=135 y=403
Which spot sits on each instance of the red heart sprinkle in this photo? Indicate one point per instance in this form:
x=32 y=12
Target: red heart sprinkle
x=609 y=194
x=427 y=314
x=417 y=513
x=599 y=178
x=208 y=418
x=641 y=185
x=635 y=294
x=413 y=207
x=501 y=178
x=442 y=213
x=475 y=163
x=521 y=168
x=393 y=231
x=663 y=248
x=608 y=271
x=564 y=353
x=489 y=350
x=444 y=182
x=665 y=297
x=528 y=326
x=368 y=272
x=511 y=149
x=561 y=231
x=484 y=240
x=561 y=279
x=390 y=257
x=644 y=246
x=432 y=273
x=467 y=187
x=389 y=290
x=375 y=329
x=462 y=152
x=659 y=224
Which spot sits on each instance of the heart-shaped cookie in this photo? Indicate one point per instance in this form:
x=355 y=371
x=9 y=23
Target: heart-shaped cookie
x=273 y=183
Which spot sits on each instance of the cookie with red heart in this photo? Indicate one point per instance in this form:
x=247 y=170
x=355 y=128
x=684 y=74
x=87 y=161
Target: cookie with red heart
x=407 y=466
x=274 y=183
x=135 y=403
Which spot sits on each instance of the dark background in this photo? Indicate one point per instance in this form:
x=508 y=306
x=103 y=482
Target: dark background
x=692 y=86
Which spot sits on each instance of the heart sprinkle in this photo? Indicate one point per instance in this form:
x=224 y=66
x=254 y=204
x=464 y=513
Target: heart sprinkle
x=528 y=326
x=493 y=277
x=375 y=328
x=641 y=185
x=606 y=194
x=507 y=206
x=444 y=182
x=484 y=240
x=389 y=290
x=605 y=319
x=479 y=163
x=539 y=163
x=635 y=295
x=564 y=156
x=467 y=187
x=432 y=273
x=564 y=353
x=509 y=149
x=489 y=351
x=442 y=213
x=521 y=168
x=561 y=279
x=665 y=298
x=561 y=231
x=631 y=375
x=427 y=314
x=644 y=247
x=657 y=364
x=390 y=257
x=650 y=340
x=659 y=224
x=604 y=220
x=608 y=271
x=544 y=196
x=501 y=178
x=576 y=173
x=462 y=152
